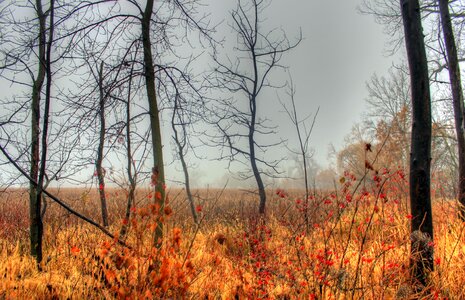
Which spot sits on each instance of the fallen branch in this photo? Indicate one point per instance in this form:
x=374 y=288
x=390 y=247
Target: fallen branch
x=61 y=203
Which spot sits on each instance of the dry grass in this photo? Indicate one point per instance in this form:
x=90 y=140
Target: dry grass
x=354 y=246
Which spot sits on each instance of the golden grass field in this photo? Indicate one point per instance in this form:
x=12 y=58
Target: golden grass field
x=354 y=246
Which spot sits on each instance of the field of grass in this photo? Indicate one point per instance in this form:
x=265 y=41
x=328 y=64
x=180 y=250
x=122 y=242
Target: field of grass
x=354 y=244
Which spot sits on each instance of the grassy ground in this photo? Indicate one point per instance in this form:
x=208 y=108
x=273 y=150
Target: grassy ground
x=349 y=244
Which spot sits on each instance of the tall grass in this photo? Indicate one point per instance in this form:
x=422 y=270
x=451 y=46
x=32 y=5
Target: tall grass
x=355 y=247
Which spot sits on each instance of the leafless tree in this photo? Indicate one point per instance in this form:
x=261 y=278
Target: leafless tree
x=35 y=55
x=389 y=113
x=132 y=169
x=98 y=164
x=156 y=26
x=90 y=103
x=38 y=171
x=259 y=53
x=58 y=200
x=155 y=29
x=420 y=159
x=304 y=132
x=388 y=14
x=187 y=106
x=31 y=50
x=457 y=96
x=443 y=52
x=180 y=138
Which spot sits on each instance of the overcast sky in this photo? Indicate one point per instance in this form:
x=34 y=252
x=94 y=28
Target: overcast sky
x=340 y=51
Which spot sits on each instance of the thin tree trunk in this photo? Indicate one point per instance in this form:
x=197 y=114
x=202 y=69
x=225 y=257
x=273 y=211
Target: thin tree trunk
x=36 y=227
x=188 y=186
x=43 y=159
x=255 y=170
x=180 y=145
x=99 y=162
x=158 y=174
x=131 y=176
x=253 y=160
x=420 y=157
x=43 y=206
x=253 y=113
x=303 y=151
x=457 y=97
x=132 y=188
x=187 y=182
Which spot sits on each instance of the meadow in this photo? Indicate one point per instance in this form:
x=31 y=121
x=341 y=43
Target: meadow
x=349 y=243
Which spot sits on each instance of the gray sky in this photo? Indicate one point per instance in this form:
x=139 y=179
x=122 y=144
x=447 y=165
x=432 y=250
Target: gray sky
x=340 y=51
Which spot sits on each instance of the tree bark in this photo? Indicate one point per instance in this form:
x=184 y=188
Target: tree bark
x=99 y=162
x=253 y=114
x=158 y=175
x=457 y=97
x=36 y=227
x=420 y=156
x=256 y=173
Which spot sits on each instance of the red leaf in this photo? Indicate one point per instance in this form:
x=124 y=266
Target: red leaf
x=75 y=250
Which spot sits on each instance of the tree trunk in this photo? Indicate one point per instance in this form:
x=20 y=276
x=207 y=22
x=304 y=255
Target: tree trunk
x=38 y=234
x=36 y=227
x=158 y=175
x=258 y=179
x=132 y=177
x=130 y=200
x=98 y=165
x=253 y=114
x=457 y=97
x=253 y=160
x=420 y=157
x=181 y=144
x=188 y=185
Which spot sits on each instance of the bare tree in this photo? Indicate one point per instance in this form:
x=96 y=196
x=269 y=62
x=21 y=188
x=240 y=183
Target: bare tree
x=389 y=113
x=387 y=13
x=180 y=137
x=303 y=135
x=155 y=29
x=457 y=97
x=36 y=226
x=420 y=159
x=31 y=50
x=131 y=167
x=260 y=53
x=36 y=52
x=187 y=106
x=57 y=200
x=95 y=104
x=441 y=20
x=166 y=16
x=98 y=163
